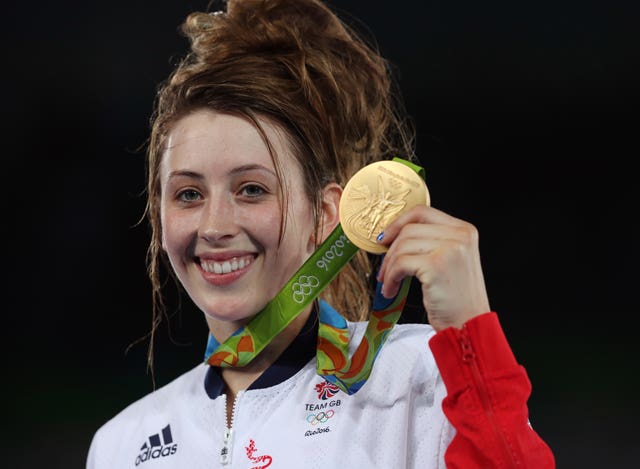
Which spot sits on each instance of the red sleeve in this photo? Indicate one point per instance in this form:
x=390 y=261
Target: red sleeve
x=486 y=402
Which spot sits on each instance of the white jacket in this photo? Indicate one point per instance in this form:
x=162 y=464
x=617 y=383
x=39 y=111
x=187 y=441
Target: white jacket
x=290 y=417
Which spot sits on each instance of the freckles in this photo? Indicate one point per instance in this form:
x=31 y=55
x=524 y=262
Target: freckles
x=176 y=228
x=269 y=216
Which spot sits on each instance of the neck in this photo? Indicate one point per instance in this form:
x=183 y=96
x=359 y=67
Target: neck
x=239 y=378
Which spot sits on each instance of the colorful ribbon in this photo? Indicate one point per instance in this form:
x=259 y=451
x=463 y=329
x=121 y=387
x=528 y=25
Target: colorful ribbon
x=332 y=357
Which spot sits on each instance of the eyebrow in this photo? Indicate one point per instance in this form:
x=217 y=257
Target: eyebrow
x=251 y=167
x=237 y=170
x=185 y=173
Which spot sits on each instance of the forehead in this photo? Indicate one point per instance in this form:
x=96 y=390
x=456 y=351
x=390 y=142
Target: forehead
x=205 y=137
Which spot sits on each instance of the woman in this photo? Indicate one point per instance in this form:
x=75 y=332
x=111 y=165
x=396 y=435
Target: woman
x=255 y=135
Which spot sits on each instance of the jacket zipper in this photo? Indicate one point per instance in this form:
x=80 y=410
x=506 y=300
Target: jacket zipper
x=469 y=357
x=227 y=436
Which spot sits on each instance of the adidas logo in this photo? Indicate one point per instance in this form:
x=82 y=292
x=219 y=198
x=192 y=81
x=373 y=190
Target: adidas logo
x=159 y=446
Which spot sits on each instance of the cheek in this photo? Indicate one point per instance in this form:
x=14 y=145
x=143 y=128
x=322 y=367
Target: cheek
x=175 y=232
x=300 y=227
x=262 y=226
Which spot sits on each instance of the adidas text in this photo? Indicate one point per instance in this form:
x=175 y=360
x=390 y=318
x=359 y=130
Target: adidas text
x=155 y=453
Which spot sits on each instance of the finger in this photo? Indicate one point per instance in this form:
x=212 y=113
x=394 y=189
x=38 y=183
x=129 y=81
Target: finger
x=421 y=237
x=412 y=258
x=421 y=214
x=404 y=265
x=408 y=234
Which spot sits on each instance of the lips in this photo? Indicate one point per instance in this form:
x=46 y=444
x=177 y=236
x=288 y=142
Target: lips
x=227 y=266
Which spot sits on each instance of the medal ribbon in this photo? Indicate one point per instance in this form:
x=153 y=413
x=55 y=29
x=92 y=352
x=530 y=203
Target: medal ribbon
x=332 y=357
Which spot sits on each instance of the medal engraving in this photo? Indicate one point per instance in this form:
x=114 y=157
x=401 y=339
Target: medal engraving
x=374 y=197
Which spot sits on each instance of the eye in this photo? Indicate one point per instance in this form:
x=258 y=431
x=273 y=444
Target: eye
x=252 y=190
x=188 y=195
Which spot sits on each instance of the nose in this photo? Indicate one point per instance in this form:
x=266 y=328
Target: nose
x=218 y=220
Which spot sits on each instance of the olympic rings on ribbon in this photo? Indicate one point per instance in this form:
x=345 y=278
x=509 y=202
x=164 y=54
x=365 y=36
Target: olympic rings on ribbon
x=320 y=417
x=304 y=287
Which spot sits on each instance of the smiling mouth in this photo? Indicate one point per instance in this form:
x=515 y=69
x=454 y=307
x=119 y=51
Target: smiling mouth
x=225 y=267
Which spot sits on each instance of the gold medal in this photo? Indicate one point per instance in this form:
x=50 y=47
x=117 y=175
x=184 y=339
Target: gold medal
x=374 y=197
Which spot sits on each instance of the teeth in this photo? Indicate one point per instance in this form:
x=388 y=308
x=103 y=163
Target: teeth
x=226 y=266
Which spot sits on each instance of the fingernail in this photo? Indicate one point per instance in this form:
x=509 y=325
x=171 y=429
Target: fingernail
x=380 y=237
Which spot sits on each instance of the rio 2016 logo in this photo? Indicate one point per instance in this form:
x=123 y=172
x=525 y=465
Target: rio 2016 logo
x=320 y=417
x=304 y=287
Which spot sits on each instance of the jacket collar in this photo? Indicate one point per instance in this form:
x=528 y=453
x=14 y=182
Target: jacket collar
x=292 y=360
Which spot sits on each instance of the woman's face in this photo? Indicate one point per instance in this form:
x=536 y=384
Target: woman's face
x=221 y=215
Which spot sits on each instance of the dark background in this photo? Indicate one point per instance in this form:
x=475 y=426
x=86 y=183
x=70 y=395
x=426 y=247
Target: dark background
x=527 y=127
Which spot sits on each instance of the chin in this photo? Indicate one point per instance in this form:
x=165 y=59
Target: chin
x=229 y=312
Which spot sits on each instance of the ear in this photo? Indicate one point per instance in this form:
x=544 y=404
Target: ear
x=330 y=216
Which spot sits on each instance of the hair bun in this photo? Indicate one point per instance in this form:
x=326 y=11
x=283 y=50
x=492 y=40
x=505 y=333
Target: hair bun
x=264 y=26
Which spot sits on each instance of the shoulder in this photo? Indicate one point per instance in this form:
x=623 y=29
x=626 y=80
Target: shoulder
x=414 y=334
x=412 y=338
x=162 y=399
x=151 y=411
x=405 y=354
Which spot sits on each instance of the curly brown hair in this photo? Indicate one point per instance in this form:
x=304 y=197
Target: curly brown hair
x=298 y=65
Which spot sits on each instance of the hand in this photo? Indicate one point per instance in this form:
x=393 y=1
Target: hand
x=442 y=253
